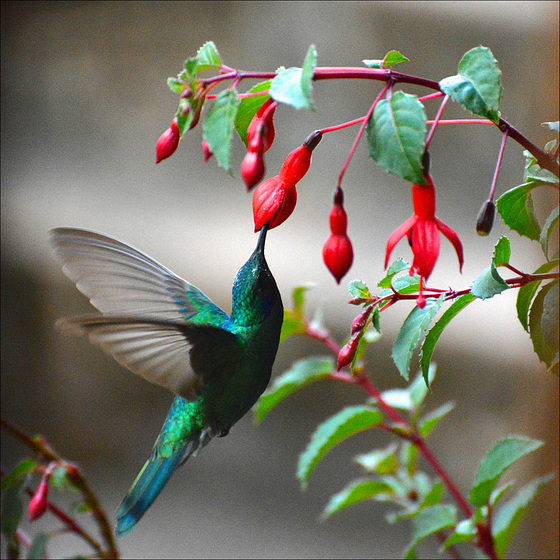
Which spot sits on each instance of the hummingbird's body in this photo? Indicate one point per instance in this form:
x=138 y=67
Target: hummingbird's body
x=166 y=330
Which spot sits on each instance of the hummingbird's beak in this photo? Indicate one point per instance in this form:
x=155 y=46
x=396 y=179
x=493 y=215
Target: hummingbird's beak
x=262 y=238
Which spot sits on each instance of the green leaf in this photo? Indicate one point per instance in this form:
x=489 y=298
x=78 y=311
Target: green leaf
x=418 y=389
x=526 y=293
x=554 y=126
x=398 y=266
x=547 y=229
x=358 y=289
x=291 y=325
x=411 y=332
x=356 y=491
x=533 y=171
x=21 y=469
x=430 y=520
x=502 y=251
x=543 y=323
x=208 y=57
x=477 y=86
x=516 y=209
x=488 y=284
x=301 y=374
x=392 y=58
x=405 y=284
x=248 y=107
x=176 y=85
x=396 y=132
x=218 y=126
x=38 y=548
x=347 y=422
x=293 y=85
x=506 y=452
x=380 y=461
x=12 y=509
x=435 y=332
x=431 y=420
x=465 y=531
x=505 y=521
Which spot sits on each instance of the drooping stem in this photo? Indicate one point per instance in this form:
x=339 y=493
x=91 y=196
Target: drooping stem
x=498 y=164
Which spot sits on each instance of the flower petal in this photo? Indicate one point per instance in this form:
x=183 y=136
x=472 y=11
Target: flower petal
x=425 y=246
x=453 y=239
x=397 y=235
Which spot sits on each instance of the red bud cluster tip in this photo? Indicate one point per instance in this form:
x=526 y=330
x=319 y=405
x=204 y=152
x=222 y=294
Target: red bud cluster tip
x=337 y=250
x=168 y=142
x=275 y=199
x=260 y=135
x=38 y=504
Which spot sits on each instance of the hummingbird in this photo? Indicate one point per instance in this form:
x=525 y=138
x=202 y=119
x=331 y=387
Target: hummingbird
x=169 y=332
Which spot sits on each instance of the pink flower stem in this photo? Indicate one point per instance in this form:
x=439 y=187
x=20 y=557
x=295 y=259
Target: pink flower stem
x=435 y=123
x=387 y=86
x=498 y=164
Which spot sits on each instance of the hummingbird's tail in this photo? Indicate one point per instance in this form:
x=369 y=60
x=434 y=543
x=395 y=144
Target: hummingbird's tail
x=167 y=455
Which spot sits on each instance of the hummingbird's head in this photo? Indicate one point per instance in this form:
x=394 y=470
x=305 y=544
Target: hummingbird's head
x=255 y=294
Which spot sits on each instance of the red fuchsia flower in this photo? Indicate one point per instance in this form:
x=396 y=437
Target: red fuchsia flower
x=206 y=151
x=262 y=124
x=168 y=142
x=422 y=230
x=274 y=200
x=337 y=250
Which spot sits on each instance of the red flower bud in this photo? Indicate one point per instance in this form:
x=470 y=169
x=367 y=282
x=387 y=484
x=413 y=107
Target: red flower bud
x=347 y=353
x=273 y=201
x=262 y=125
x=338 y=255
x=360 y=321
x=252 y=169
x=338 y=220
x=297 y=163
x=168 y=142
x=206 y=150
x=38 y=504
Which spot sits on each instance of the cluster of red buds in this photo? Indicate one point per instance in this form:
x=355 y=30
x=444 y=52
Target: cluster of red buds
x=337 y=250
x=260 y=135
x=275 y=199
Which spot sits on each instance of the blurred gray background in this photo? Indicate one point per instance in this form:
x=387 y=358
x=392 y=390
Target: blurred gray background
x=84 y=99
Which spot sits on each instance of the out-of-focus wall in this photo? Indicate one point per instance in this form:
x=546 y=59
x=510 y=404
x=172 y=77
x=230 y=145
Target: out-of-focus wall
x=84 y=98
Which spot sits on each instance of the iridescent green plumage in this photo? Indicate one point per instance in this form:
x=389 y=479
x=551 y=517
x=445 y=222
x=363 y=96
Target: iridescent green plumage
x=166 y=330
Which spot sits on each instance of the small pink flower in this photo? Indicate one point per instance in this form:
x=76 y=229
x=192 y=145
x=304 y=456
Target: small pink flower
x=423 y=230
x=167 y=143
x=38 y=504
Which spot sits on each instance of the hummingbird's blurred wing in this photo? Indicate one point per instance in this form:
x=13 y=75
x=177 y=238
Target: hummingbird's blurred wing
x=176 y=355
x=146 y=311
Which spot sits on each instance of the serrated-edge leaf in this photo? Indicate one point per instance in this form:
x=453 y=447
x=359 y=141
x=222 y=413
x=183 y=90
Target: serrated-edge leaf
x=286 y=88
x=38 y=548
x=510 y=514
x=516 y=209
x=502 y=251
x=208 y=57
x=218 y=126
x=547 y=228
x=430 y=520
x=504 y=454
x=488 y=284
x=431 y=420
x=176 y=85
x=358 y=289
x=526 y=293
x=396 y=132
x=302 y=373
x=534 y=172
x=544 y=343
x=356 y=491
x=433 y=335
x=477 y=85
x=248 y=107
x=412 y=330
x=347 y=422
